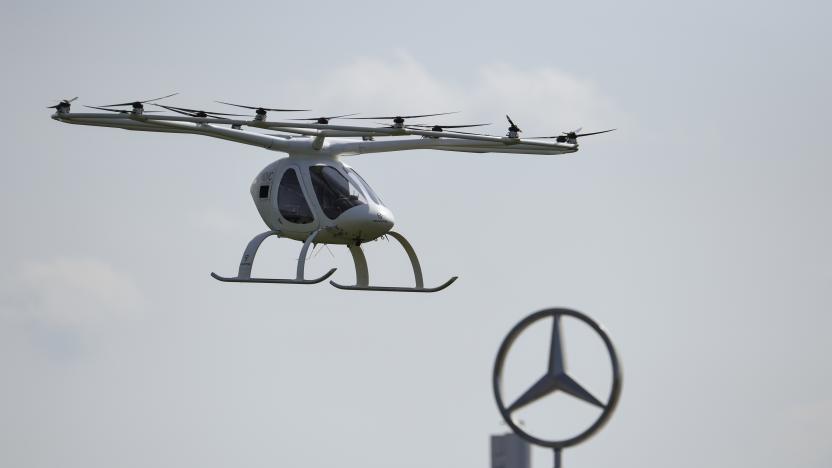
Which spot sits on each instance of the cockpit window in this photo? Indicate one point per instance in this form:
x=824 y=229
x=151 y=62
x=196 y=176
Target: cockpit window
x=335 y=193
x=290 y=199
x=360 y=181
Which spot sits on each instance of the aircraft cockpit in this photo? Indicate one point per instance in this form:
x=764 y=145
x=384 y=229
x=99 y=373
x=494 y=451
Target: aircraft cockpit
x=297 y=198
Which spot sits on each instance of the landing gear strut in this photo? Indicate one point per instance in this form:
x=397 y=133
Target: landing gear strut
x=244 y=273
x=362 y=276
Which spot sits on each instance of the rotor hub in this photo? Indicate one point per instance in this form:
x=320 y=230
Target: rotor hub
x=513 y=129
x=62 y=107
x=569 y=137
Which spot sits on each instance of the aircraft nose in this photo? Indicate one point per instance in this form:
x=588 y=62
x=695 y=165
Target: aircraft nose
x=366 y=222
x=385 y=216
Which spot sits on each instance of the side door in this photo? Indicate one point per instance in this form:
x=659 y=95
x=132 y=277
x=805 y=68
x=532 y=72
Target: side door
x=292 y=201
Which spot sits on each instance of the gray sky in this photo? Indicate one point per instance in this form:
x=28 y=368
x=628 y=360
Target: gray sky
x=697 y=234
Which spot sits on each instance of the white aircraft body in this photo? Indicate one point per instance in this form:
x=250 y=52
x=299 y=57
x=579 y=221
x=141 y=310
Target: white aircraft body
x=311 y=196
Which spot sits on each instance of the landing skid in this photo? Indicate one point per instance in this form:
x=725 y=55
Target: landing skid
x=362 y=276
x=244 y=273
x=394 y=288
x=273 y=280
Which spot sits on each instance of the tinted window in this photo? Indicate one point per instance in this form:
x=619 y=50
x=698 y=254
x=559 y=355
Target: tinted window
x=290 y=200
x=360 y=181
x=335 y=193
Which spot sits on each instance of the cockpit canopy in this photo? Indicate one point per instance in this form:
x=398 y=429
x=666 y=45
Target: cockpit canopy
x=297 y=197
x=334 y=192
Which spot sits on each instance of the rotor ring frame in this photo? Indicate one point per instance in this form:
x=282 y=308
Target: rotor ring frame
x=497 y=378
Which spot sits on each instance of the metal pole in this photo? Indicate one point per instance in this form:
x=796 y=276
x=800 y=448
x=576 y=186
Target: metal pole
x=557 y=458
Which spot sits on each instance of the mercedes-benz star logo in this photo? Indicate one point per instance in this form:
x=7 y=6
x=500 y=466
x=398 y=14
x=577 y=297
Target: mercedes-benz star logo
x=555 y=378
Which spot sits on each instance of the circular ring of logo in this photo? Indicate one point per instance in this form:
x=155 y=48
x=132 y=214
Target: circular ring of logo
x=553 y=383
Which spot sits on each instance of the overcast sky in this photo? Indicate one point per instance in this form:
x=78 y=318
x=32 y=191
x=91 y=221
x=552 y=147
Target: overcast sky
x=698 y=234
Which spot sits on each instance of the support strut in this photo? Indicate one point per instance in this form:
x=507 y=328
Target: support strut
x=244 y=273
x=362 y=275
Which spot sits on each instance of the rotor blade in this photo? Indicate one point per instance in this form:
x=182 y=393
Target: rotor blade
x=62 y=102
x=219 y=116
x=188 y=112
x=222 y=113
x=108 y=110
x=204 y=115
x=448 y=126
x=513 y=127
x=117 y=105
x=449 y=133
x=576 y=136
x=173 y=109
x=264 y=108
x=595 y=133
x=407 y=116
x=116 y=110
x=237 y=105
x=142 y=102
x=472 y=133
x=159 y=98
x=198 y=110
x=329 y=117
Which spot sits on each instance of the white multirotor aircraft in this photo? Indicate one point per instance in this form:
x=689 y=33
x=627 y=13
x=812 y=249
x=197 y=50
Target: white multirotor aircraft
x=311 y=196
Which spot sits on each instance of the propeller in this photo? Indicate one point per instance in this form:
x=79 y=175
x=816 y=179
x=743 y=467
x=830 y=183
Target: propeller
x=63 y=104
x=120 y=111
x=198 y=113
x=513 y=128
x=399 y=119
x=443 y=128
x=440 y=128
x=138 y=104
x=325 y=120
x=574 y=135
x=261 y=111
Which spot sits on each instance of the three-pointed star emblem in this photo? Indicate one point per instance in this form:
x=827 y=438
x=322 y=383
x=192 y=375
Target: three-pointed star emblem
x=555 y=377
